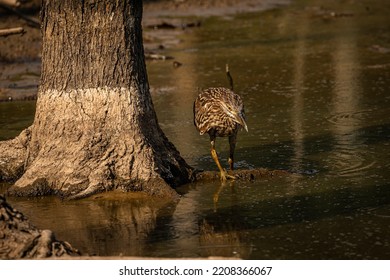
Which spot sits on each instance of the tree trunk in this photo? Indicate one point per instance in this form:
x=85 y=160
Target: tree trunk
x=95 y=127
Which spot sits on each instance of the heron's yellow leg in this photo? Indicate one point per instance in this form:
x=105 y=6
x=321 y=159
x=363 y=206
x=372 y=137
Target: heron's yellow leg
x=224 y=174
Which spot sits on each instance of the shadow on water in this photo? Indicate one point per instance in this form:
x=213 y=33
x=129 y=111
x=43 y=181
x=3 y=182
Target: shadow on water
x=299 y=208
x=306 y=225
x=282 y=216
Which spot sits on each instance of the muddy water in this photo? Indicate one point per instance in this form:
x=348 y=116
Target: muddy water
x=315 y=79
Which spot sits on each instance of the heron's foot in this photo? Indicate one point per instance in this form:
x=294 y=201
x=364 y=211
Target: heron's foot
x=225 y=176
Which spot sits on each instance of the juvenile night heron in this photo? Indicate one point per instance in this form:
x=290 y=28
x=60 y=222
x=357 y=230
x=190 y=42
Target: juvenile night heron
x=220 y=113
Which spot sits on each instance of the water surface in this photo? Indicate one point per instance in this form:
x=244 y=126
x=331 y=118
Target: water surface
x=315 y=79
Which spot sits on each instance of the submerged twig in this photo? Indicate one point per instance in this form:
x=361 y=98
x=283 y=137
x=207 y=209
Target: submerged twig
x=11 y=31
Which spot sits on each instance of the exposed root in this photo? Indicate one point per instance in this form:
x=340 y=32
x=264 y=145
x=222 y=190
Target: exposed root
x=19 y=239
x=13 y=156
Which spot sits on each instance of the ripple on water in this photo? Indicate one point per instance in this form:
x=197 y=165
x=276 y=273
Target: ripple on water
x=348 y=118
x=380 y=211
x=350 y=163
x=359 y=117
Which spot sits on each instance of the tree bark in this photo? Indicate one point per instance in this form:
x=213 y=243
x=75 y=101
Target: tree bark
x=95 y=128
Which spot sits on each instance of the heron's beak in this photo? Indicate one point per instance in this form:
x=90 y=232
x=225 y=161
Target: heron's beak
x=240 y=120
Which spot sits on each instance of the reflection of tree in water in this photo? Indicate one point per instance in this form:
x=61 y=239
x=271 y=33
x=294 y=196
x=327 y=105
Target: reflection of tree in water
x=129 y=223
x=113 y=226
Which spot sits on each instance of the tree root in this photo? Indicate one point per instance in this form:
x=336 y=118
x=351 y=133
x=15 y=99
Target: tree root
x=21 y=240
x=13 y=156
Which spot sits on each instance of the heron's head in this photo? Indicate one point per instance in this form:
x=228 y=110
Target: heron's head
x=236 y=113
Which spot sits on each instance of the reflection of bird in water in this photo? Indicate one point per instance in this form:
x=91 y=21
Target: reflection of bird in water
x=219 y=190
x=220 y=113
